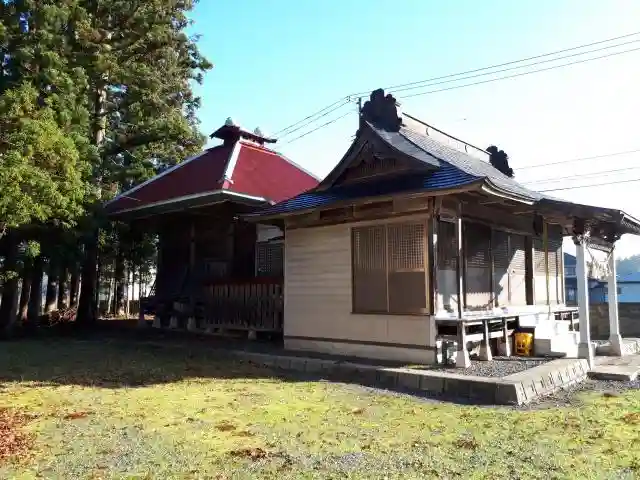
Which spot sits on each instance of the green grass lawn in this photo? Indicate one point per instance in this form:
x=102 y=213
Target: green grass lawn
x=117 y=409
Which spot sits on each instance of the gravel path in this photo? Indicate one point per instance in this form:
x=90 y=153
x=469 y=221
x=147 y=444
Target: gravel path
x=570 y=396
x=498 y=367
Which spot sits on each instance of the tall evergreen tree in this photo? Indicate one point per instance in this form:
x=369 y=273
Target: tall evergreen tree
x=141 y=67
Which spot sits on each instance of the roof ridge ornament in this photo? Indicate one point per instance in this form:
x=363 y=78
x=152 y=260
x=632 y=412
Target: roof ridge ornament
x=382 y=111
x=500 y=160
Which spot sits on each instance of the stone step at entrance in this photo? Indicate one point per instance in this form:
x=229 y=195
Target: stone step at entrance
x=630 y=346
x=624 y=369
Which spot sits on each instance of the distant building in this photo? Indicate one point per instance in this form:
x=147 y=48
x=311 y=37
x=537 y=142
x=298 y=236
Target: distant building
x=596 y=292
x=628 y=289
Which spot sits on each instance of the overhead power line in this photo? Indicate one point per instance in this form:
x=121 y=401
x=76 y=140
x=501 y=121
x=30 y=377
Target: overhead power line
x=301 y=126
x=574 y=187
x=521 y=74
x=450 y=78
x=604 y=173
x=320 y=112
x=517 y=67
x=581 y=159
x=451 y=75
x=318 y=128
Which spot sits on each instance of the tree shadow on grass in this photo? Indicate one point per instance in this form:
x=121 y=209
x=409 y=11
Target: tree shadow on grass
x=124 y=358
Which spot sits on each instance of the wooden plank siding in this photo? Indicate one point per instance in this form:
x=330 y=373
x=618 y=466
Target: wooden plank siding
x=318 y=303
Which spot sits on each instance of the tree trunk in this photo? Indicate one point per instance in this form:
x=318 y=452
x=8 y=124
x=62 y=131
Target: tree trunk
x=120 y=285
x=127 y=292
x=74 y=285
x=10 y=290
x=51 y=297
x=63 y=289
x=110 y=306
x=87 y=304
x=25 y=292
x=35 y=299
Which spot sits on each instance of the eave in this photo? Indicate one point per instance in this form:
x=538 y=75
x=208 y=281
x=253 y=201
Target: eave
x=472 y=186
x=188 y=202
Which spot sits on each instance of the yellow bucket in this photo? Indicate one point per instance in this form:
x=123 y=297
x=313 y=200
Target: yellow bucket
x=524 y=344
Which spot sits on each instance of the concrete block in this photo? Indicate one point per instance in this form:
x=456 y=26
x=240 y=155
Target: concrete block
x=457 y=387
x=283 y=362
x=509 y=393
x=483 y=390
x=314 y=365
x=297 y=363
x=431 y=383
x=387 y=377
x=410 y=380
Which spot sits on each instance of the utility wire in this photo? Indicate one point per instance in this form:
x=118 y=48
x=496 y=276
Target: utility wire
x=309 y=119
x=318 y=128
x=520 y=74
x=591 y=185
x=342 y=101
x=300 y=127
x=603 y=173
x=606 y=155
x=493 y=72
x=395 y=87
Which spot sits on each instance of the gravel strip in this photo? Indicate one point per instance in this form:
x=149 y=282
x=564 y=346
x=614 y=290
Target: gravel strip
x=497 y=368
x=569 y=397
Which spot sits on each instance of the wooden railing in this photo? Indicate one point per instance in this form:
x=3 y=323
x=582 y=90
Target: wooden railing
x=256 y=304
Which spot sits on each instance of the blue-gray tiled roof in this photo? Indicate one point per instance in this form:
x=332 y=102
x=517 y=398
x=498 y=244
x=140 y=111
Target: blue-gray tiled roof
x=452 y=169
x=447 y=176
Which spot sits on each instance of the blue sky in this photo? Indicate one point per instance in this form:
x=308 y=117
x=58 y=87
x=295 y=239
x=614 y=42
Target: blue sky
x=276 y=62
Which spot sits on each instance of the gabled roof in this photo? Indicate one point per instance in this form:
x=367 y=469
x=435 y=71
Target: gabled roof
x=453 y=169
x=241 y=169
x=442 y=168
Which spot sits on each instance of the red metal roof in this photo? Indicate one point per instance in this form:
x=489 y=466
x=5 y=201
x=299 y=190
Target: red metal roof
x=243 y=168
x=261 y=172
x=199 y=174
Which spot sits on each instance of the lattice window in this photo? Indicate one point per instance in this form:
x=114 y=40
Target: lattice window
x=518 y=263
x=477 y=252
x=501 y=261
x=370 y=269
x=389 y=268
x=539 y=266
x=269 y=259
x=500 y=248
x=407 y=273
x=447 y=246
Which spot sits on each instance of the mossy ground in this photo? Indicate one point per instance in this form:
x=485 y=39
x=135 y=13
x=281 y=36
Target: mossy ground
x=121 y=409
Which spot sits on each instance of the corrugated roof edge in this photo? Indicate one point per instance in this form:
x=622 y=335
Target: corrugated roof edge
x=159 y=175
x=276 y=211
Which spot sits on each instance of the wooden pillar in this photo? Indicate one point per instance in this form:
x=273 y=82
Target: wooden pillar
x=433 y=262
x=507 y=341
x=485 y=346
x=585 y=349
x=545 y=246
x=462 y=357
x=614 y=322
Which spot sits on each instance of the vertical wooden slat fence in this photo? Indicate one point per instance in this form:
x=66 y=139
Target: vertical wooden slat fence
x=257 y=304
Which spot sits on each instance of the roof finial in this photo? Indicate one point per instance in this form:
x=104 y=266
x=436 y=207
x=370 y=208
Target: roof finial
x=382 y=111
x=499 y=160
x=230 y=123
